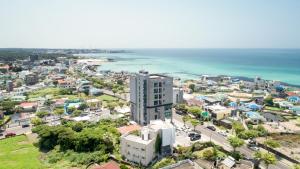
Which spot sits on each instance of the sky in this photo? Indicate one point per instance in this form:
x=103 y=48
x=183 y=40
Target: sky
x=150 y=23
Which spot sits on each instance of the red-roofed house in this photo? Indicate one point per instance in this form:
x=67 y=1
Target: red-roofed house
x=291 y=93
x=108 y=165
x=128 y=129
x=29 y=106
x=60 y=102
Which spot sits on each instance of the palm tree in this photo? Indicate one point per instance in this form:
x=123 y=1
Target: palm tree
x=194 y=123
x=185 y=119
x=235 y=142
x=267 y=158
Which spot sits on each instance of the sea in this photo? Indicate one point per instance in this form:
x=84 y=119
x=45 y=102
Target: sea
x=270 y=64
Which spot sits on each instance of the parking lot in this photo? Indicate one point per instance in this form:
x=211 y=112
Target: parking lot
x=182 y=132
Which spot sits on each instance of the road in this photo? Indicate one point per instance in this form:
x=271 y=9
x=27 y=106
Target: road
x=18 y=130
x=221 y=140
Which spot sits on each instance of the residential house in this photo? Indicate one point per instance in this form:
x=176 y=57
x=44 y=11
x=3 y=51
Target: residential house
x=141 y=148
x=296 y=110
x=28 y=106
x=66 y=84
x=218 y=112
x=254 y=117
x=272 y=117
x=294 y=99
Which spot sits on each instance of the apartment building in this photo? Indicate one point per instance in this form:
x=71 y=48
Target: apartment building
x=151 y=97
x=141 y=148
x=177 y=95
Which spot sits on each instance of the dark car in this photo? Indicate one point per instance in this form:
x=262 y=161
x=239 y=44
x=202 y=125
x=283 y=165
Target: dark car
x=211 y=128
x=195 y=137
x=191 y=134
x=1 y=134
x=25 y=125
x=10 y=135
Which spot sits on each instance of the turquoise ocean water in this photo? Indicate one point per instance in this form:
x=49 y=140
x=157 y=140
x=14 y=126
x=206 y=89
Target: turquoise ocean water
x=271 y=64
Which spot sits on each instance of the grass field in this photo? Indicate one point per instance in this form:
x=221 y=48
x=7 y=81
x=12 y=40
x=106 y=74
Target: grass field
x=105 y=97
x=18 y=153
x=273 y=108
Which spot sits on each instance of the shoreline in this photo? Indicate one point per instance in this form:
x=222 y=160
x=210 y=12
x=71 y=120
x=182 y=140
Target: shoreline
x=100 y=61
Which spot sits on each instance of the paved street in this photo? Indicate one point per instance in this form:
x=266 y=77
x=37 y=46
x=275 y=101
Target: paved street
x=221 y=140
x=18 y=130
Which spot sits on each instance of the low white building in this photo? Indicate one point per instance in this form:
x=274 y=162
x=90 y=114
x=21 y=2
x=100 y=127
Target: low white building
x=145 y=147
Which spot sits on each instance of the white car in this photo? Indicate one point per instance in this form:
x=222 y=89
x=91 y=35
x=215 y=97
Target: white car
x=222 y=133
x=254 y=148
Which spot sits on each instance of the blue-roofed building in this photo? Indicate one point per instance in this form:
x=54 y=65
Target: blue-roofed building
x=296 y=110
x=253 y=106
x=233 y=104
x=279 y=88
x=255 y=117
x=294 y=99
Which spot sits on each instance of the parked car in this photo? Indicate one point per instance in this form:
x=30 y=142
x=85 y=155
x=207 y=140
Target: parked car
x=1 y=134
x=195 y=137
x=223 y=133
x=211 y=128
x=25 y=125
x=192 y=134
x=254 y=148
x=10 y=135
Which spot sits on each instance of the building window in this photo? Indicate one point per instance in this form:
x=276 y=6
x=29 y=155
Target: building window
x=155 y=90
x=155 y=103
x=155 y=117
x=142 y=149
x=155 y=84
x=159 y=84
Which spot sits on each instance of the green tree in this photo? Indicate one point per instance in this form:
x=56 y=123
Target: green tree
x=36 y=121
x=194 y=123
x=237 y=127
x=8 y=106
x=58 y=111
x=111 y=106
x=268 y=101
x=272 y=143
x=42 y=114
x=297 y=166
x=235 y=142
x=196 y=111
x=185 y=118
x=192 y=87
x=164 y=162
x=83 y=106
x=181 y=107
x=261 y=130
x=114 y=90
x=76 y=113
x=268 y=159
x=158 y=143
x=207 y=154
x=120 y=82
x=247 y=134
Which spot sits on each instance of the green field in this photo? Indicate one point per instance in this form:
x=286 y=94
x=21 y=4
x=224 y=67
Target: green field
x=18 y=153
x=105 y=97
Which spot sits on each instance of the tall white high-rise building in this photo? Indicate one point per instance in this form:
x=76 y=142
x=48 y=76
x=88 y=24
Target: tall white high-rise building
x=151 y=97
